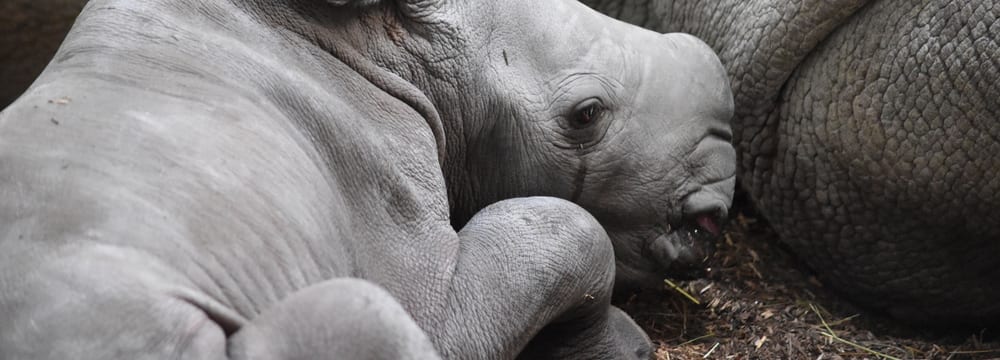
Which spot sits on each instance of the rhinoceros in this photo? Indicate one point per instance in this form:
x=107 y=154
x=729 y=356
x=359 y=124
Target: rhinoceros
x=206 y=179
x=867 y=135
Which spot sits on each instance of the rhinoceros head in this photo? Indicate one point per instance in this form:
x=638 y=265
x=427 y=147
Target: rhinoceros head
x=550 y=98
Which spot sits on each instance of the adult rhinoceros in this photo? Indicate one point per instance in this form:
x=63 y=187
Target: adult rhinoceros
x=867 y=134
x=197 y=178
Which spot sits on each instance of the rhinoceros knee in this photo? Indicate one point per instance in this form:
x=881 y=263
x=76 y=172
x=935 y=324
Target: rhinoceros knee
x=562 y=234
x=518 y=251
x=609 y=334
x=632 y=340
x=337 y=319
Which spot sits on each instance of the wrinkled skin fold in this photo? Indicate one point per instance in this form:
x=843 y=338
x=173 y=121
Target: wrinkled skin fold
x=311 y=179
x=866 y=133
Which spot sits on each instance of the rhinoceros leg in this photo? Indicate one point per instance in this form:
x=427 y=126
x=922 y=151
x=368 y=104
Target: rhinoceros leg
x=337 y=319
x=529 y=262
x=532 y=274
x=626 y=338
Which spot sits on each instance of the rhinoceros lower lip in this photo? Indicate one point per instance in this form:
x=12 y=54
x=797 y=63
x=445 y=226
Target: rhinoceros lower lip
x=683 y=251
x=709 y=223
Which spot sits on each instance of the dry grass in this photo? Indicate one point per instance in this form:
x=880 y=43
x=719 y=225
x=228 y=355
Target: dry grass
x=759 y=303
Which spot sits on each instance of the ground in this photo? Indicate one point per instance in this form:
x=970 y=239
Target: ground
x=758 y=302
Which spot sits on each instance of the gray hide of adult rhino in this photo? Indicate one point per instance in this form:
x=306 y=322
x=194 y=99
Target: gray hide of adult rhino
x=254 y=179
x=867 y=134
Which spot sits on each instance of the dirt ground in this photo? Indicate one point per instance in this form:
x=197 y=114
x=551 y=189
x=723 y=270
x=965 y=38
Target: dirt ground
x=759 y=302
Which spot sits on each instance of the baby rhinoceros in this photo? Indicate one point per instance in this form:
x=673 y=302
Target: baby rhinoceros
x=205 y=179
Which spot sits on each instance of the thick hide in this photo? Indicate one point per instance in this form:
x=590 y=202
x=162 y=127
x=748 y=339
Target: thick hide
x=866 y=133
x=291 y=179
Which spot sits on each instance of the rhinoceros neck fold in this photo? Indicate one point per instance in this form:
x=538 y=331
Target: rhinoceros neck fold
x=400 y=89
x=339 y=33
x=419 y=61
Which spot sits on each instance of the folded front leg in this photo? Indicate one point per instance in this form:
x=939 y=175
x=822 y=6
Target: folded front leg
x=529 y=263
x=337 y=319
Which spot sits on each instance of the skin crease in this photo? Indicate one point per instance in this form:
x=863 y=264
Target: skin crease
x=866 y=135
x=352 y=309
x=201 y=199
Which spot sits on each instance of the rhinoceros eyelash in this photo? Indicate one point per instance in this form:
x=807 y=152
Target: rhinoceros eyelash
x=583 y=137
x=587 y=113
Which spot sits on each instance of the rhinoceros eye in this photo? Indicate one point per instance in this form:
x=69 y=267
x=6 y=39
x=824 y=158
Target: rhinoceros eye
x=588 y=112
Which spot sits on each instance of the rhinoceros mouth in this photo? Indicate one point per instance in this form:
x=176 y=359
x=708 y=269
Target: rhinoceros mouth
x=683 y=250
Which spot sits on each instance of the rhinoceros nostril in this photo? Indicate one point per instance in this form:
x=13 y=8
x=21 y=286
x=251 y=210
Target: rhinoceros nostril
x=725 y=134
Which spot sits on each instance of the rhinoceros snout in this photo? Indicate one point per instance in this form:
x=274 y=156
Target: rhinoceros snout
x=685 y=248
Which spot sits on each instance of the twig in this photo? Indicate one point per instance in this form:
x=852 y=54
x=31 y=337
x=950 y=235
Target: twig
x=846 y=319
x=829 y=333
x=974 y=352
x=696 y=339
x=682 y=291
x=710 y=351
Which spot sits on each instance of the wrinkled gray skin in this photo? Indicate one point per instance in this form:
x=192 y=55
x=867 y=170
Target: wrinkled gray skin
x=896 y=212
x=867 y=134
x=195 y=179
x=338 y=319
